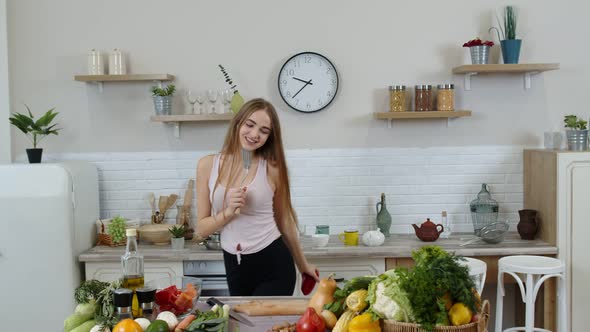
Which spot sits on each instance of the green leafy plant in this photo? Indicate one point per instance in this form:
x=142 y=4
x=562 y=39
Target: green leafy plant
x=177 y=231
x=507 y=28
x=228 y=79
x=162 y=92
x=572 y=121
x=35 y=130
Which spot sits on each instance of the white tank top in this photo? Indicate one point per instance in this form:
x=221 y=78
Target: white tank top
x=255 y=227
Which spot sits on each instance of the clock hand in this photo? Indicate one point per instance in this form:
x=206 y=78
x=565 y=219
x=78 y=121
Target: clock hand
x=304 y=85
x=300 y=80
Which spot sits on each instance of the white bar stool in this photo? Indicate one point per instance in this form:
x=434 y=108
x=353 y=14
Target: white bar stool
x=477 y=271
x=537 y=269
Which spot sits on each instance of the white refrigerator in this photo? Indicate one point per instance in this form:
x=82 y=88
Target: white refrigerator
x=47 y=218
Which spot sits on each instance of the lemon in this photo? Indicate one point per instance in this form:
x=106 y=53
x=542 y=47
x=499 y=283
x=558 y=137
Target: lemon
x=460 y=314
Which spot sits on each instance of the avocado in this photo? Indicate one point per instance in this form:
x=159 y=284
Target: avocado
x=158 y=325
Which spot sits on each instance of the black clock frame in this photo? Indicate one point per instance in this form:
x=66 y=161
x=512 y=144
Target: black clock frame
x=325 y=58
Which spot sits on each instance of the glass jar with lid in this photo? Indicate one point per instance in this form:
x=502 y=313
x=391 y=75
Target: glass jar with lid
x=423 y=97
x=445 y=97
x=397 y=98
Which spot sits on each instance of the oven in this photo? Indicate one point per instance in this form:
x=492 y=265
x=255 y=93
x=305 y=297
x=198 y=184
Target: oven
x=213 y=275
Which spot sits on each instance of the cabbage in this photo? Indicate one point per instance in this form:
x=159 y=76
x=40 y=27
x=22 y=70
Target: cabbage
x=388 y=300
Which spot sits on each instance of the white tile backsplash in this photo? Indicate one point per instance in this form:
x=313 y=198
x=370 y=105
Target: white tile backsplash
x=339 y=187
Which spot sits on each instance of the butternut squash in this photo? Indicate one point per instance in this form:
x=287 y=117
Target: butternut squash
x=324 y=294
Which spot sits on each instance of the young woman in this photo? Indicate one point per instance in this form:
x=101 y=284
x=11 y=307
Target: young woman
x=260 y=241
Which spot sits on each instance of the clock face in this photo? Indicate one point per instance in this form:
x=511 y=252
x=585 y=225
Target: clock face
x=308 y=82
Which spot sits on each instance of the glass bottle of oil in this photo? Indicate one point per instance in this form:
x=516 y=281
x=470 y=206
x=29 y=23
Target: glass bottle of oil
x=132 y=263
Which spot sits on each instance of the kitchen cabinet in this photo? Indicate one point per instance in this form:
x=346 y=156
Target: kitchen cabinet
x=526 y=69
x=109 y=271
x=557 y=184
x=346 y=268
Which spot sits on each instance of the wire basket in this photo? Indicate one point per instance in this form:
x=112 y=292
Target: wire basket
x=479 y=326
x=484 y=210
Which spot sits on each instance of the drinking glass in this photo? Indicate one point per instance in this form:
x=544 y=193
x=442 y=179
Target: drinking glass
x=192 y=99
x=200 y=97
x=227 y=97
x=212 y=96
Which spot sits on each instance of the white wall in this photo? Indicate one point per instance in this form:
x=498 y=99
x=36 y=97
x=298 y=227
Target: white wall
x=5 y=145
x=373 y=44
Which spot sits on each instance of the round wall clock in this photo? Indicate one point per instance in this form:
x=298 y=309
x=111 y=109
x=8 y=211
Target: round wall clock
x=308 y=82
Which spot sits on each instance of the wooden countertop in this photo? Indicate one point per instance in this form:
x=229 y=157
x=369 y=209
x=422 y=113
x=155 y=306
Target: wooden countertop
x=396 y=246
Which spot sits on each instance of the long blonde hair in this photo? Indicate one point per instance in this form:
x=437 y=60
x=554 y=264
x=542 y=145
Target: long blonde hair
x=272 y=151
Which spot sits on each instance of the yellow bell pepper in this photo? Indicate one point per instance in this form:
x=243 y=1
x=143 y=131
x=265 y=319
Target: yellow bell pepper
x=364 y=323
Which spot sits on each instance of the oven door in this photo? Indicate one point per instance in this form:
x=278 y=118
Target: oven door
x=213 y=286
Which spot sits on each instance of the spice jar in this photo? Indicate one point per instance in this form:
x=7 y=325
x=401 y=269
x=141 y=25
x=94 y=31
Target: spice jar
x=445 y=98
x=397 y=98
x=146 y=296
x=423 y=98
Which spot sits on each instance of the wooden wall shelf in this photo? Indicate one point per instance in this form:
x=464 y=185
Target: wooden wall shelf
x=100 y=79
x=177 y=119
x=124 y=78
x=421 y=115
x=527 y=69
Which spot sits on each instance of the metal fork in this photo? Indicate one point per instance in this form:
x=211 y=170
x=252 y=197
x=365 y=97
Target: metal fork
x=247 y=161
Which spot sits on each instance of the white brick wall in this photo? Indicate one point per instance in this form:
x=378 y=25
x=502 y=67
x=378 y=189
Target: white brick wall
x=339 y=187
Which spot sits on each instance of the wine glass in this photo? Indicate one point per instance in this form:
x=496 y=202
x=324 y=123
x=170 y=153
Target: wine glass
x=227 y=96
x=200 y=98
x=192 y=99
x=212 y=96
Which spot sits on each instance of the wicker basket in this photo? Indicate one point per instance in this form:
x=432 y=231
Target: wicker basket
x=479 y=326
x=104 y=238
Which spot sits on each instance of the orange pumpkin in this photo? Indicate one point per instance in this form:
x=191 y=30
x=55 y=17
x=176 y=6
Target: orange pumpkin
x=127 y=325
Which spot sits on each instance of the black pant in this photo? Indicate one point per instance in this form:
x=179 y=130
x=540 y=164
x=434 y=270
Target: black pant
x=269 y=272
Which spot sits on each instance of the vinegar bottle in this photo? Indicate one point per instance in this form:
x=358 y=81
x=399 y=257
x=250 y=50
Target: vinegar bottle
x=132 y=264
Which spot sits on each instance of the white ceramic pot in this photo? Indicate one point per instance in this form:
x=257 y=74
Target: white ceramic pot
x=373 y=238
x=178 y=243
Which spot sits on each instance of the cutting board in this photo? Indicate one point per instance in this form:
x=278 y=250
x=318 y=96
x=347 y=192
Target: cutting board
x=272 y=307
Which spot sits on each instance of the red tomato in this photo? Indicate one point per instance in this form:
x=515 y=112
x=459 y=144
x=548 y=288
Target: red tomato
x=311 y=322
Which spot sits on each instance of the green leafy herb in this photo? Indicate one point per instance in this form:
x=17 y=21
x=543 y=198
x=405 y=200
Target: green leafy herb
x=162 y=92
x=105 y=310
x=436 y=274
x=88 y=291
x=35 y=130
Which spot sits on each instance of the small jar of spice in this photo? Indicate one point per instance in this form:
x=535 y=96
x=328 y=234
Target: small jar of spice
x=423 y=98
x=397 y=98
x=445 y=98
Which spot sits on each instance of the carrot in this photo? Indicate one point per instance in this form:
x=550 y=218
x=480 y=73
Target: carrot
x=185 y=323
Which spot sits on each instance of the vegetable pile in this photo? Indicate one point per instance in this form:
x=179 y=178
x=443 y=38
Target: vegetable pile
x=176 y=301
x=436 y=291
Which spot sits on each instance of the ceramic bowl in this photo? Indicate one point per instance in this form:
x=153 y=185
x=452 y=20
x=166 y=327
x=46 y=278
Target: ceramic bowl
x=180 y=283
x=320 y=240
x=157 y=234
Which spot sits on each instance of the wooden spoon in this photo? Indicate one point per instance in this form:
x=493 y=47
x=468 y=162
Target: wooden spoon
x=171 y=200
x=162 y=204
x=188 y=194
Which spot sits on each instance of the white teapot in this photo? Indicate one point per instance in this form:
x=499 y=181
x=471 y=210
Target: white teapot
x=373 y=238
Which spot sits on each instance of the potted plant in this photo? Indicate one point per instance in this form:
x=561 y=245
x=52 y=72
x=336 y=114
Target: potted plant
x=163 y=99
x=177 y=232
x=480 y=50
x=236 y=101
x=576 y=132
x=35 y=130
x=507 y=29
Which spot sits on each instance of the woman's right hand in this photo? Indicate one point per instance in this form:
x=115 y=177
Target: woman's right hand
x=236 y=198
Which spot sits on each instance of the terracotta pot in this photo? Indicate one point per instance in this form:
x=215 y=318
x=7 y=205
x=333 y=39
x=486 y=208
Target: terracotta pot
x=528 y=224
